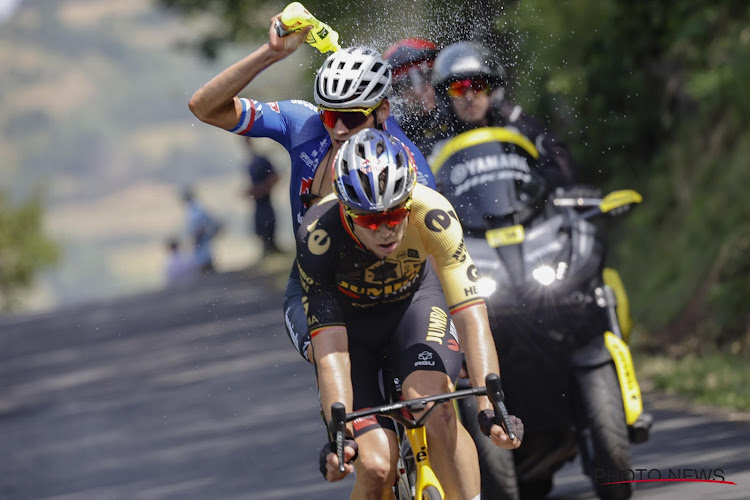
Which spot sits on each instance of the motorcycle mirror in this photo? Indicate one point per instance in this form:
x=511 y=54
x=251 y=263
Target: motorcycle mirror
x=617 y=199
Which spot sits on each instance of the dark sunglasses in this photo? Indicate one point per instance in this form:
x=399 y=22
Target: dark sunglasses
x=351 y=118
x=460 y=87
x=391 y=218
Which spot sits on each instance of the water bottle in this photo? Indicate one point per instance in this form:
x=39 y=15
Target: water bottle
x=295 y=16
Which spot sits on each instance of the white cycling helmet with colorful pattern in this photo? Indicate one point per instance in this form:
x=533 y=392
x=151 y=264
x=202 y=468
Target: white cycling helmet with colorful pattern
x=374 y=172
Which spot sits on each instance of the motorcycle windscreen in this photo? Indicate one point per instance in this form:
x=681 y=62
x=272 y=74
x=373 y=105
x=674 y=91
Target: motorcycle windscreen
x=490 y=183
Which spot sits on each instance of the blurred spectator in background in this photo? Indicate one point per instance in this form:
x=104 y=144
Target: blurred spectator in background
x=202 y=228
x=262 y=178
x=411 y=61
x=181 y=266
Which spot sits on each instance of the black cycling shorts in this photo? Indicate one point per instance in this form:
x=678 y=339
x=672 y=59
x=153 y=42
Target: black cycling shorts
x=414 y=334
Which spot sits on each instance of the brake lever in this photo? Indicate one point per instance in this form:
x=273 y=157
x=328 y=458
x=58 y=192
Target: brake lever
x=497 y=398
x=337 y=429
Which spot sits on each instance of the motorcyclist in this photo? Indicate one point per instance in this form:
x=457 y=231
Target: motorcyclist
x=414 y=103
x=470 y=96
x=470 y=93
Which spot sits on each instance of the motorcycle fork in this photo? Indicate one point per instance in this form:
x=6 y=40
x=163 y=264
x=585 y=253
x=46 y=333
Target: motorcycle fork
x=620 y=353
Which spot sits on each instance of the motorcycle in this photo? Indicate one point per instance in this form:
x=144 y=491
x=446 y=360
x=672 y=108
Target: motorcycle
x=559 y=316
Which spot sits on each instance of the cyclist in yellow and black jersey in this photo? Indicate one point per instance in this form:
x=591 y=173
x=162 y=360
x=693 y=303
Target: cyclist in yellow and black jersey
x=367 y=257
x=362 y=278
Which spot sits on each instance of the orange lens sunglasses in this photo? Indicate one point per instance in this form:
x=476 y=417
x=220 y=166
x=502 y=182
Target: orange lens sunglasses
x=462 y=86
x=391 y=218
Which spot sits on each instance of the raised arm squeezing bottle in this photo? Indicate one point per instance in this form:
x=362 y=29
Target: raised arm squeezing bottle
x=295 y=16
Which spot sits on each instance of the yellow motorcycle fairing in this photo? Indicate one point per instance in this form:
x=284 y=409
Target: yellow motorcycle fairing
x=631 y=391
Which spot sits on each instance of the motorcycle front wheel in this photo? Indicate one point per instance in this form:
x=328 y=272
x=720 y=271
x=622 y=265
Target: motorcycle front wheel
x=605 y=446
x=496 y=465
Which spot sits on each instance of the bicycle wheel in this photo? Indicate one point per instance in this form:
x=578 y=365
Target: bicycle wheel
x=431 y=493
x=407 y=475
x=402 y=489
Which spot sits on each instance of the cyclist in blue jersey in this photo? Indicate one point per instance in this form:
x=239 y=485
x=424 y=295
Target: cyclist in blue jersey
x=351 y=92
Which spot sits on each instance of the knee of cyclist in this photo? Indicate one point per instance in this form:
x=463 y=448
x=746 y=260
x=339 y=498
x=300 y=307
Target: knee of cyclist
x=376 y=468
x=441 y=419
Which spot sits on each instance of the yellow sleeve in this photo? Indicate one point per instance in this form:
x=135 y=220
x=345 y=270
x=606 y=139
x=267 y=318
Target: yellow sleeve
x=442 y=237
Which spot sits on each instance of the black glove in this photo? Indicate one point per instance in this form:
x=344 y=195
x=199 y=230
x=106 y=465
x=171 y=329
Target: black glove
x=330 y=447
x=486 y=419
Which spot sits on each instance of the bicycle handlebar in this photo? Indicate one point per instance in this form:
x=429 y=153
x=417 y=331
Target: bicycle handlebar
x=390 y=409
x=493 y=390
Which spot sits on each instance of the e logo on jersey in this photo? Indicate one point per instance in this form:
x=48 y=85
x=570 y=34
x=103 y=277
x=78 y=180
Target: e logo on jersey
x=438 y=220
x=319 y=242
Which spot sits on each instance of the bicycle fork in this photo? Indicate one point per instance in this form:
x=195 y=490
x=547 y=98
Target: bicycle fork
x=425 y=475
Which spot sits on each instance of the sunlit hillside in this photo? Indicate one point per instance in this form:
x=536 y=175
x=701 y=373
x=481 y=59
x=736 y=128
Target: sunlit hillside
x=93 y=112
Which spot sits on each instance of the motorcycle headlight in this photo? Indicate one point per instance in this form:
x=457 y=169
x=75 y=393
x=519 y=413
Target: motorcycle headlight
x=544 y=275
x=486 y=286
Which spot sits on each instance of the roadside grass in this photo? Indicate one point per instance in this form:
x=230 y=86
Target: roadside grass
x=718 y=379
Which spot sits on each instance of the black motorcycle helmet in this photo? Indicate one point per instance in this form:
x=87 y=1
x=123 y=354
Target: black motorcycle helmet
x=460 y=61
x=465 y=60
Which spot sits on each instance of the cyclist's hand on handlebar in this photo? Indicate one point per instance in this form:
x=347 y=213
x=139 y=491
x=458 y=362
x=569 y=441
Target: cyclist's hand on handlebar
x=488 y=426
x=286 y=45
x=329 y=462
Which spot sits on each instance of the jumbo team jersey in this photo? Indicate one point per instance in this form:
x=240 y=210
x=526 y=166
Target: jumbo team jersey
x=337 y=271
x=296 y=125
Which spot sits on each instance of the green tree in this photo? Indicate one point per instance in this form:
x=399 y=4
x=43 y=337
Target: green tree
x=655 y=96
x=649 y=94
x=378 y=23
x=24 y=249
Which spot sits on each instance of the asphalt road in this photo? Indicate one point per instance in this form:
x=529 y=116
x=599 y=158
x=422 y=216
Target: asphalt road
x=198 y=394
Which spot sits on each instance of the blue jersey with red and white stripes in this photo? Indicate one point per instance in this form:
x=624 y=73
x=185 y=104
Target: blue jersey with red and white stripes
x=296 y=126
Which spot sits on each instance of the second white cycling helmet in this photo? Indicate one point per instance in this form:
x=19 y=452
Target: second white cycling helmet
x=374 y=172
x=355 y=77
